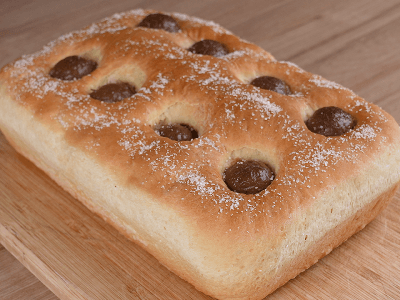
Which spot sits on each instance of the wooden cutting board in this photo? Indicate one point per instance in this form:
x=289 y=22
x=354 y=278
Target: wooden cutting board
x=79 y=256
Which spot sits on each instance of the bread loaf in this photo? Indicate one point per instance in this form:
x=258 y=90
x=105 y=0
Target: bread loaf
x=235 y=170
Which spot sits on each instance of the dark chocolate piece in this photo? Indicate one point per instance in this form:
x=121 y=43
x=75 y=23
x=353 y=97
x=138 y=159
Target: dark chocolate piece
x=73 y=67
x=113 y=92
x=177 y=132
x=209 y=47
x=248 y=176
x=272 y=84
x=160 y=21
x=331 y=121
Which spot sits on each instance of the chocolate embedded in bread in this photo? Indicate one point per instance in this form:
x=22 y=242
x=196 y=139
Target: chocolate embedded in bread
x=177 y=132
x=271 y=83
x=331 y=121
x=160 y=21
x=113 y=92
x=209 y=47
x=248 y=176
x=73 y=67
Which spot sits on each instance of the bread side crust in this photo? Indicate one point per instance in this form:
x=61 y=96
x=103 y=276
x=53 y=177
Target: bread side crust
x=335 y=237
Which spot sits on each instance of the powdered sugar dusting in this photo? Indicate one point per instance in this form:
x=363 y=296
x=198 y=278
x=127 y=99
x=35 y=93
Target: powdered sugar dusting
x=261 y=102
x=248 y=53
x=201 y=184
x=202 y=79
x=321 y=82
x=293 y=66
x=209 y=142
x=364 y=132
x=361 y=105
x=200 y=22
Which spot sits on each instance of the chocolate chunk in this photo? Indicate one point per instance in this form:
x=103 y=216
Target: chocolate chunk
x=331 y=121
x=177 y=132
x=160 y=21
x=248 y=176
x=73 y=67
x=209 y=47
x=113 y=92
x=272 y=84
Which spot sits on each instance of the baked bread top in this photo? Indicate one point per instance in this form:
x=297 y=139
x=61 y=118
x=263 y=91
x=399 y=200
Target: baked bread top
x=234 y=119
x=168 y=81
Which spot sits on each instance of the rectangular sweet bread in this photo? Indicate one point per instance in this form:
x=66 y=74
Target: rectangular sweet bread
x=235 y=170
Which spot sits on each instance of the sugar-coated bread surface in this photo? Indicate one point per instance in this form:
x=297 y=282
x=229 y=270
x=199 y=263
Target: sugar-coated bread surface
x=109 y=150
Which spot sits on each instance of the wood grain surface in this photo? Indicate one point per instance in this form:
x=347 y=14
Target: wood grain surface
x=76 y=255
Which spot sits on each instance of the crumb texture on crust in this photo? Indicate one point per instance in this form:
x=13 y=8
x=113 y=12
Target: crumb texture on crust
x=170 y=196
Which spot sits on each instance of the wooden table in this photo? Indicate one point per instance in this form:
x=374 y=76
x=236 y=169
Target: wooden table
x=355 y=43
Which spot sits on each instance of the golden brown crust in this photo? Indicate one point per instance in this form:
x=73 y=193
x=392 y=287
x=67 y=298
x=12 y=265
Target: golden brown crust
x=170 y=196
